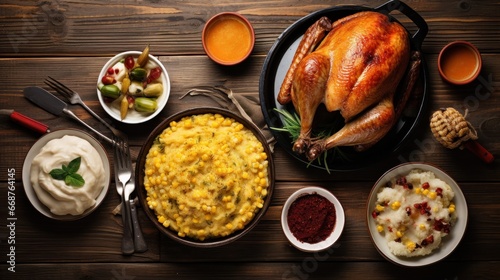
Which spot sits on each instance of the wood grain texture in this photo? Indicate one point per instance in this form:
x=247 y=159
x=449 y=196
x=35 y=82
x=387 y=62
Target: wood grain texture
x=71 y=40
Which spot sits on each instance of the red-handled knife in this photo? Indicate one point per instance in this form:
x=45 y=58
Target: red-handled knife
x=25 y=121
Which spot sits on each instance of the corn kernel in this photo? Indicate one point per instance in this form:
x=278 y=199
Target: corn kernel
x=422 y=226
x=161 y=219
x=418 y=190
x=432 y=195
x=379 y=208
x=410 y=246
x=399 y=234
x=425 y=192
x=263 y=182
x=395 y=205
x=380 y=228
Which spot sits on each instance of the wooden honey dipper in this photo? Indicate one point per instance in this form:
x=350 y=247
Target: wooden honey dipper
x=450 y=128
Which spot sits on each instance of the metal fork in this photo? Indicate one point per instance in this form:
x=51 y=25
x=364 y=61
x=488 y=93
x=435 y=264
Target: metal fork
x=74 y=98
x=124 y=189
x=123 y=173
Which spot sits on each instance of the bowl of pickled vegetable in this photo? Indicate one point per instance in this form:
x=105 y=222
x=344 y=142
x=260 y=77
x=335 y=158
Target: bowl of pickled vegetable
x=133 y=86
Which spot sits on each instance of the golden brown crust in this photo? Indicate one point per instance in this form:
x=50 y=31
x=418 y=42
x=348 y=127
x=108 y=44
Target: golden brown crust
x=313 y=36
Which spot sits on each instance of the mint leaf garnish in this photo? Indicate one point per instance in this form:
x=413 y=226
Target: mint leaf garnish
x=58 y=174
x=74 y=165
x=68 y=173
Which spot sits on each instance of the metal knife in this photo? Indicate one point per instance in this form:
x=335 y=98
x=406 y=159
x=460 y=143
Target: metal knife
x=25 y=121
x=56 y=106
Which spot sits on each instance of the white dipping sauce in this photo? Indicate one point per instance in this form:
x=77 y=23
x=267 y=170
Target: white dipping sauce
x=60 y=198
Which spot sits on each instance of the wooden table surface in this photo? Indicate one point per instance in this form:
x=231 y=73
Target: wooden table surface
x=71 y=40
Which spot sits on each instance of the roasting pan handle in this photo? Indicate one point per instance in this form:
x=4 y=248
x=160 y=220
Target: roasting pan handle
x=396 y=5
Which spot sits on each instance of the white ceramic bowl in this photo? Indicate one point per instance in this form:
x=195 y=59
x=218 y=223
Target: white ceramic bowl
x=35 y=150
x=449 y=242
x=134 y=117
x=337 y=229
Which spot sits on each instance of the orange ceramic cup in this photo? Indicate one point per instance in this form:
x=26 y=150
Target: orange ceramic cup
x=459 y=62
x=228 y=38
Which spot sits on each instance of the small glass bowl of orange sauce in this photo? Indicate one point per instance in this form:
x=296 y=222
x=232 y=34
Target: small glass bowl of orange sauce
x=228 y=38
x=459 y=62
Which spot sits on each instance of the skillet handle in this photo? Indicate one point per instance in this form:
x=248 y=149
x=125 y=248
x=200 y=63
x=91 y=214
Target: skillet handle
x=396 y=5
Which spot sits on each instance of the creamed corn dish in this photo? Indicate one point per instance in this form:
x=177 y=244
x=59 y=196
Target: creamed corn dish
x=206 y=176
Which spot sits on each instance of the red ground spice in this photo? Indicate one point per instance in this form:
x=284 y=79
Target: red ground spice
x=311 y=218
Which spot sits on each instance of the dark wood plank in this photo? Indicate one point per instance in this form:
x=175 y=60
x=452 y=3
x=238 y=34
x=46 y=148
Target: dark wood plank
x=311 y=267
x=34 y=28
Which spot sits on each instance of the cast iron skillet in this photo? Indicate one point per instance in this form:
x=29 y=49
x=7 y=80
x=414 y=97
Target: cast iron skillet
x=279 y=59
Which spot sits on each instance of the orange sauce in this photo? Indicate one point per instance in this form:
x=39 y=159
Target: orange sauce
x=228 y=39
x=459 y=63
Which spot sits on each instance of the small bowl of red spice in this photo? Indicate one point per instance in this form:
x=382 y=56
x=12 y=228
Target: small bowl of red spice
x=312 y=219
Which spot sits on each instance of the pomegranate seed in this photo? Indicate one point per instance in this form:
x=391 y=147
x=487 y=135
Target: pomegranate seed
x=111 y=71
x=401 y=181
x=116 y=71
x=408 y=211
x=408 y=186
x=425 y=185
x=374 y=214
x=430 y=239
x=130 y=99
x=439 y=192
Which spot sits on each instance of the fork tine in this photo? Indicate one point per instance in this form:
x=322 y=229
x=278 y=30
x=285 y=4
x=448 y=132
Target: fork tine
x=58 y=89
x=61 y=84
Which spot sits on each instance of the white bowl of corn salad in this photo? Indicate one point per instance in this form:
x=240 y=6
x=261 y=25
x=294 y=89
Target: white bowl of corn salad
x=416 y=214
x=205 y=177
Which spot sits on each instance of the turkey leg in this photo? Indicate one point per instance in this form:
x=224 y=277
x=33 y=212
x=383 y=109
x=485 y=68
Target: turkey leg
x=371 y=126
x=313 y=36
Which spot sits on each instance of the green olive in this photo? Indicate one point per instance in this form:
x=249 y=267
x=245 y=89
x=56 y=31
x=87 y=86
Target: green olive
x=111 y=91
x=138 y=74
x=144 y=104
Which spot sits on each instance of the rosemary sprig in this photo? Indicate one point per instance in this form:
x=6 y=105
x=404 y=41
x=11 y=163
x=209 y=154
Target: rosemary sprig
x=291 y=125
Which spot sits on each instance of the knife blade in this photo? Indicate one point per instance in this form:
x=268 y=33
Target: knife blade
x=25 y=121
x=56 y=106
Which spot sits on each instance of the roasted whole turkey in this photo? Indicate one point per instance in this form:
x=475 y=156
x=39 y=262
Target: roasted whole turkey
x=354 y=65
